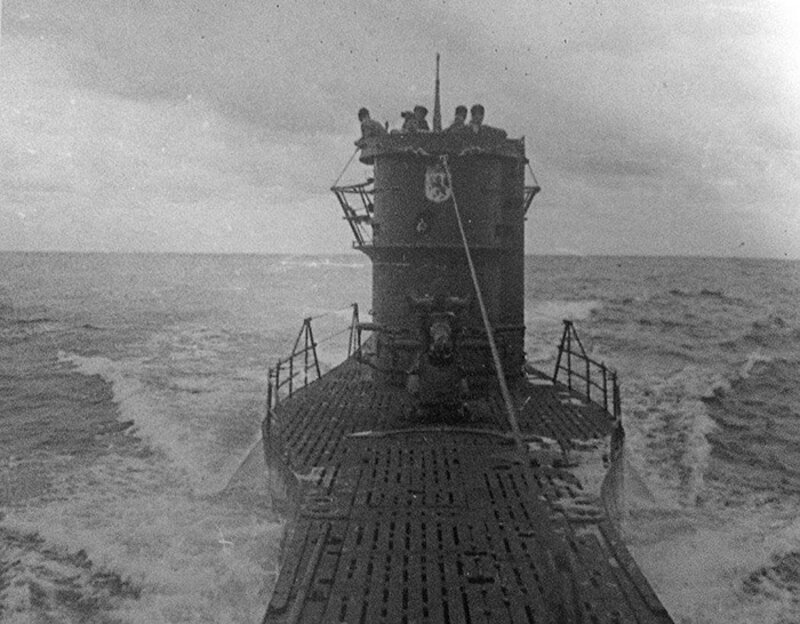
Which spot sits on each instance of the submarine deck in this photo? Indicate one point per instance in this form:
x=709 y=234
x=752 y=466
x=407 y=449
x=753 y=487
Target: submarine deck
x=401 y=521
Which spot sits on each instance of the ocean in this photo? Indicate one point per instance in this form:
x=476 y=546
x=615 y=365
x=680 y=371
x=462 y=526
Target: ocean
x=132 y=386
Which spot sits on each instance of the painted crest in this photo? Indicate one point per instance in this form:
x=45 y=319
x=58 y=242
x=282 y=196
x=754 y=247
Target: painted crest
x=437 y=184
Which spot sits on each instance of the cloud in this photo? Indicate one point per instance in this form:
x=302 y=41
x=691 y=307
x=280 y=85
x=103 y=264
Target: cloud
x=85 y=169
x=674 y=124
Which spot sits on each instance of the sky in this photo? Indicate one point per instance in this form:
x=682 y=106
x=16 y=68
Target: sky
x=666 y=128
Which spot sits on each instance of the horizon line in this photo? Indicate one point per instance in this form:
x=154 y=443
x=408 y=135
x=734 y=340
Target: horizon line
x=785 y=257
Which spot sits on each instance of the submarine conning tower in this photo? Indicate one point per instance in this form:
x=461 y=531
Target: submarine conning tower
x=408 y=225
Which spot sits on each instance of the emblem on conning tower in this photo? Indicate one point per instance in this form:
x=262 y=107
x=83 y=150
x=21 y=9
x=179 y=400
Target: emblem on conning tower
x=437 y=184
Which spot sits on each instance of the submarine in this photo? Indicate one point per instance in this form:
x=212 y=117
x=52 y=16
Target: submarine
x=434 y=476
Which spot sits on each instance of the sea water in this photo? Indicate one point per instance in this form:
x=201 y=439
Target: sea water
x=132 y=386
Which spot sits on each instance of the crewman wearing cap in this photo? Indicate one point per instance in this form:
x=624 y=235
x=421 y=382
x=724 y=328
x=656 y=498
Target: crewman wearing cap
x=459 y=123
x=476 y=118
x=420 y=112
x=477 y=126
x=369 y=127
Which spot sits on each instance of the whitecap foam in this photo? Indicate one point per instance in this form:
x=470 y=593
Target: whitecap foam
x=180 y=442
x=668 y=426
x=316 y=263
x=190 y=559
x=699 y=453
x=753 y=359
x=708 y=567
x=558 y=310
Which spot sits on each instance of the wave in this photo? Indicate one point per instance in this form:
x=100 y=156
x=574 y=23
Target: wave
x=15 y=329
x=669 y=430
x=126 y=543
x=760 y=375
x=738 y=566
x=773 y=321
x=780 y=576
x=703 y=293
x=28 y=326
x=560 y=310
x=33 y=321
x=91 y=327
x=753 y=360
x=317 y=263
x=756 y=443
x=65 y=584
x=6 y=302
x=772 y=332
x=181 y=411
x=136 y=404
x=662 y=323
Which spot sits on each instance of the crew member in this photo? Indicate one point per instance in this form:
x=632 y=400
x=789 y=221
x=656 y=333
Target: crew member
x=477 y=126
x=409 y=122
x=459 y=123
x=476 y=118
x=369 y=127
x=420 y=112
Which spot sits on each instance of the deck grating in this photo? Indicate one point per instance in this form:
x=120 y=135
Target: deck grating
x=414 y=522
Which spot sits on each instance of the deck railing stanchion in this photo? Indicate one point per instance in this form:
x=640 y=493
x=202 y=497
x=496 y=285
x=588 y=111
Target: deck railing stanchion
x=569 y=355
x=268 y=417
x=269 y=389
x=291 y=376
x=351 y=344
x=277 y=382
x=560 y=351
x=307 y=326
x=314 y=349
x=588 y=381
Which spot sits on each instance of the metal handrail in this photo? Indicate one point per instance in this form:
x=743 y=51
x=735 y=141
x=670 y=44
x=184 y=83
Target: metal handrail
x=359 y=214
x=354 y=343
x=281 y=377
x=530 y=193
x=586 y=370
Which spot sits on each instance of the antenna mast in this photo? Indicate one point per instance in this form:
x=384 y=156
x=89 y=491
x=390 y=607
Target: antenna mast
x=437 y=109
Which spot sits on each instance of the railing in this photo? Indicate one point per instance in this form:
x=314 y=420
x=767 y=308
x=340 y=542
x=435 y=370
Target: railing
x=354 y=342
x=291 y=372
x=357 y=206
x=530 y=193
x=586 y=372
x=286 y=365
